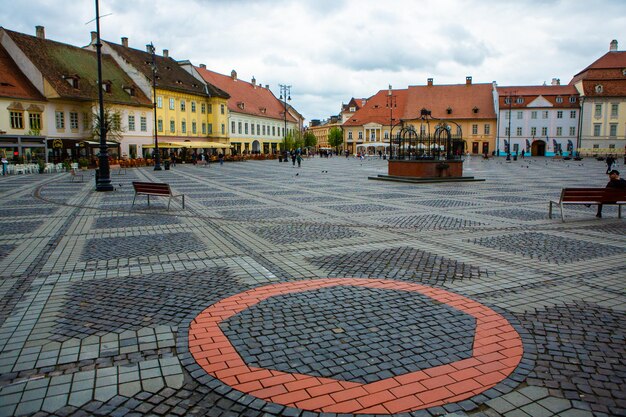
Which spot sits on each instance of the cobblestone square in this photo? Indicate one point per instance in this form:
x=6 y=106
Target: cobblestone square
x=322 y=294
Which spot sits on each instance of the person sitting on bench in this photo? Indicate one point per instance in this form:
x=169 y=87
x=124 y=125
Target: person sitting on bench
x=614 y=182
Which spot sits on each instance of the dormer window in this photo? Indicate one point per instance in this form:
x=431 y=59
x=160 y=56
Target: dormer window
x=507 y=100
x=599 y=89
x=106 y=86
x=559 y=99
x=624 y=72
x=72 y=80
x=475 y=110
x=263 y=110
x=449 y=110
x=519 y=100
x=179 y=82
x=352 y=109
x=241 y=105
x=572 y=99
x=130 y=91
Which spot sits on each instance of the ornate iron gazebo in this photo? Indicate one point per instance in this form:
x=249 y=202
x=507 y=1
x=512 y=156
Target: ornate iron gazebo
x=441 y=144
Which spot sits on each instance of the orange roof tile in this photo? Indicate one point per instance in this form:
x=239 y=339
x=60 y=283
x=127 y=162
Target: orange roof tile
x=246 y=97
x=461 y=98
x=531 y=92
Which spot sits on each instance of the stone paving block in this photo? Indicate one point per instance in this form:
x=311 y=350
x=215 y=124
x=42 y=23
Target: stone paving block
x=54 y=402
x=78 y=398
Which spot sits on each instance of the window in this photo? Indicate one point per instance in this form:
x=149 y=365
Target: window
x=117 y=121
x=596 y=129
x=559 y=131
x=17 y=120
x=516 y=147
x=203 y=108
x=131 y=123
x=203 y=128
x=519 y=131
x=598 y=111
x=143 y=123
x=263 y=129
x=34 y=120
x=172 y=126
x=611 y=146
x=159 y=102
x=508 y=114
x=349 y=135
x=210 y=128
x=258 y=129
x=193 y=106
x=474 y=129
x=613 y=130
x=507 y=131
x=596 y=146
x=239 y=128
x=273 y=130
x=572 y=131
x=533 y=114
x=519 y=100
x=559 y=99
x=172 y=104
x=520 y=115
x=572 y=114
x=544 y=114
x=210 y=108
x=614 y=108
x=194 y=129
x=372 y=135
x=544 y=131
x=74 y=120
x=360 y=135
x=252 y=128
x=223 y=129
x=386 y=135
x=487 y=129
x=183 y=106
x=572 y=99
x=507 y=100
x=222 y=109
x=599 y=88
x=86 y=121
x=160 y=125
x=183 y=126
x=246 y=128
x=559 y=114
x=533 y=131
x=232 y=127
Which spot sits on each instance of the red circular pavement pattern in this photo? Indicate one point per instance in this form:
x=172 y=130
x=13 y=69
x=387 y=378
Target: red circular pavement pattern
x=497 y=351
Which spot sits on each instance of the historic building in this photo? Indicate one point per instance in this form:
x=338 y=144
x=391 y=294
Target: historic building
x=602 y=89
x=321 y=129
x=468 y=107
x=537 y=120
x=66 y=76
x=257 y=118
x=189 y=111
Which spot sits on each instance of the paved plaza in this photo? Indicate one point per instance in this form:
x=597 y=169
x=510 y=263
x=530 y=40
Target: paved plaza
x=313 y=291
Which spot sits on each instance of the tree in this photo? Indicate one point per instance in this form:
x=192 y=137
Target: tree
x=310 y=140
x=112 y=125
x=335 y=138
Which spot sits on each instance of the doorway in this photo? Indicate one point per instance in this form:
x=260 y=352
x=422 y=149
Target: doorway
x=538 y=148
x=475 y=148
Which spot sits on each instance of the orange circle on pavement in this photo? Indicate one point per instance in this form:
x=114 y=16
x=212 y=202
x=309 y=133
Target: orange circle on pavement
x=496 y=352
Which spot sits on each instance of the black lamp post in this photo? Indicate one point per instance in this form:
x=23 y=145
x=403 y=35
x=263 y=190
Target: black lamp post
x=103 y=182
x=157 y=154
x=391 y=103
x=510 y=97
x=285 y=96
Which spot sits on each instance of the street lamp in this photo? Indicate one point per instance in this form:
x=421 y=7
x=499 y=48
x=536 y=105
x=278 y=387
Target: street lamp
x=510 y=96
x=285 y=96
x=103 y=182
x=391 y=103
x=157 y=154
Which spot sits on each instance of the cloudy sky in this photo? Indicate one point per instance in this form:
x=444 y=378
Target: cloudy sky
x=332 y=50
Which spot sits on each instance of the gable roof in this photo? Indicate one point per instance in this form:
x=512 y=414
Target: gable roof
x=247 y=98
x=13 y=83
x=170 y=75
x=611 y=60
x=375 y=109
x=462 y=99
x=59 y=63
x=530 y=93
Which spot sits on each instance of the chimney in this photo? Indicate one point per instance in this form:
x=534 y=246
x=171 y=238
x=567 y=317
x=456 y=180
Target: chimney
x=468 y=80
x=556 y=81
x=233 y=75
x=267 y=86
x=203 y=66
x=166 y=53
x=94 y=36
x=40 y=32
x=125 y=42
x=253 y=81
x=612 y=48
x=148 y=48
x=430 y=81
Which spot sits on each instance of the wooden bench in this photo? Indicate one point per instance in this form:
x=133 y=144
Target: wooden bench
x=76 y=175
x=155 y=188
x=590 y=196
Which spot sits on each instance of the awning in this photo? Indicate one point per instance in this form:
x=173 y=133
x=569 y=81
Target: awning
x=94 y=143
x=194 y=145
x=375 y=144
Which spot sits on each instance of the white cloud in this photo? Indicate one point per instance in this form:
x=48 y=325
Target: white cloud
x=332 y=50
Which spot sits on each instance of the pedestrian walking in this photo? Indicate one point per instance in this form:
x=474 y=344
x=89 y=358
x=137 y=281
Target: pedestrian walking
x=221 y=158
x=609 y=163
x=299 y=159
x=293 y=158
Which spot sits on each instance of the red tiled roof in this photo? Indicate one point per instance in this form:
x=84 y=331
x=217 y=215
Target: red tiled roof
x=531 y=92
x=170 y=75
x=59 y=62
x=13 y=83
x=614 y=59
x=246 y=97
x=461 y=98
x=376 y=110
x=610 y=88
